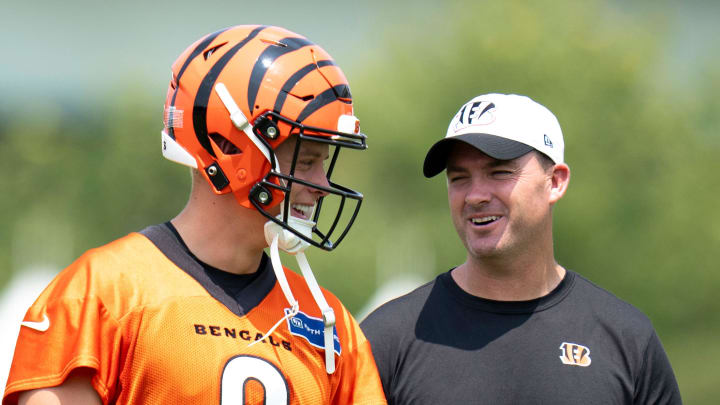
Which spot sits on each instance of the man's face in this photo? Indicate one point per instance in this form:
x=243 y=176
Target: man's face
x=498 y=206
x=309 y=167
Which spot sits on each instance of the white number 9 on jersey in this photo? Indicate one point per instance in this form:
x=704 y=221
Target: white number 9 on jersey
x=242 y=369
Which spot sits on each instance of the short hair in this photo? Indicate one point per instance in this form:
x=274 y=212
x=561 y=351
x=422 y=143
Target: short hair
x=545 y=160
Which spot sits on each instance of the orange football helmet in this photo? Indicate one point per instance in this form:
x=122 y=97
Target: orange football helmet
x=238 y=93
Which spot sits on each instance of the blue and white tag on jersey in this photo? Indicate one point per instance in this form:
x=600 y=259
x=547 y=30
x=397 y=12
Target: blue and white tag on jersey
x=311 y=329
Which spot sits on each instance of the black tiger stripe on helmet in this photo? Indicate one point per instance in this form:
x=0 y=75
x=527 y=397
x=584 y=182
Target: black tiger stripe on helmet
x=203 y=92
x=294 y=79
x=176 y=77
x=266 y=59
x=340 y=92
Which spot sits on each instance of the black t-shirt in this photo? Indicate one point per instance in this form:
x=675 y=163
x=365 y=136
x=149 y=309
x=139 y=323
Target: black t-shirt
x=577 y=345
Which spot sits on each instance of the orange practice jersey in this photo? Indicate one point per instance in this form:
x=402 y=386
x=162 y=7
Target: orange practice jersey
x=142 y=315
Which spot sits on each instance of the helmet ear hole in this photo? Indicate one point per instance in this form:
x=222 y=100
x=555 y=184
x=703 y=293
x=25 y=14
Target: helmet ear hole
x=224 y=144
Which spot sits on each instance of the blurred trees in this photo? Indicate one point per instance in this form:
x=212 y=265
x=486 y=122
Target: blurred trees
x=75 y=177
x=639 y=218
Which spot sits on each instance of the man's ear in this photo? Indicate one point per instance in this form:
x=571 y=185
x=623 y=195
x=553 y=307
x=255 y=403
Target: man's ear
x=560 y=178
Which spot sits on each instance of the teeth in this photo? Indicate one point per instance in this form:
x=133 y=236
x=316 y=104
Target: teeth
x=304 y=209
x=483 y=220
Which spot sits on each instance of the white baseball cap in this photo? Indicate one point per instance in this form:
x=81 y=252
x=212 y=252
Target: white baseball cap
x=503 y=126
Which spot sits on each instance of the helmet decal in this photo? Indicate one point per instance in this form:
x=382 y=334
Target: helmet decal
x=266 y=59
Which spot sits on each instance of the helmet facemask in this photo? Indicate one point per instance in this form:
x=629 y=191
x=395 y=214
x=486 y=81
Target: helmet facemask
x=334 y=212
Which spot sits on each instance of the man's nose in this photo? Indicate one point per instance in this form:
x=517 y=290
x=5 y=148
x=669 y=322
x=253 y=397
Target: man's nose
x=319 y=177
x=479 y=192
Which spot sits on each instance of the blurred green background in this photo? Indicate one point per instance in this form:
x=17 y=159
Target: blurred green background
x=633 y=84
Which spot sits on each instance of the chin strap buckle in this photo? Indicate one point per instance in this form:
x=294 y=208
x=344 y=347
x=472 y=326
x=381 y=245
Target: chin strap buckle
x=328 y=314
x=329 y=321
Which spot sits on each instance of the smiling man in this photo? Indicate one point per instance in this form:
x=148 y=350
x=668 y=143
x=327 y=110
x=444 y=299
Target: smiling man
x=193 y=311
x=510 y=325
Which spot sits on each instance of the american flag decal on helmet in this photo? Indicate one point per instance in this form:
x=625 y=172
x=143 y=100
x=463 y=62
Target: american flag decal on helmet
x=173 y=118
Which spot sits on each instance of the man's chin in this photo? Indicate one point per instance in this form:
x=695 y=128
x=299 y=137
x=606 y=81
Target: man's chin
x=486 y=249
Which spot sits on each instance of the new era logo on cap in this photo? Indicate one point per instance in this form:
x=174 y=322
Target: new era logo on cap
x=548 y=142
x=504 y=126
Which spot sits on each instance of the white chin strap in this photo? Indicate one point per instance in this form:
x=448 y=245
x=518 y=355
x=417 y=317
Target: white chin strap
x=280 y=238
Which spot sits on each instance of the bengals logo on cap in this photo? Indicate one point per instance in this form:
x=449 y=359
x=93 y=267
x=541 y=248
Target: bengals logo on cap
x=574 y=354
x=473 y=113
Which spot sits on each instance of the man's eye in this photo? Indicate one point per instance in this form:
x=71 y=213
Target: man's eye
x=502 y=172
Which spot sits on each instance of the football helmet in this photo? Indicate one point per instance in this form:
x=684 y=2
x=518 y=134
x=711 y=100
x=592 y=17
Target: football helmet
x=238 y=93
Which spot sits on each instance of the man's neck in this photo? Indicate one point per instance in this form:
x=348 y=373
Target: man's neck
x=510 y=280
x=223 y=234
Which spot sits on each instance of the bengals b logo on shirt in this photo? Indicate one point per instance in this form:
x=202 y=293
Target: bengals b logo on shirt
x=574 y=354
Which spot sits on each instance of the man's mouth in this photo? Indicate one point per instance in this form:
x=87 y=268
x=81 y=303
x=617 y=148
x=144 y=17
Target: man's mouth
x=301 y=210
x=481 y=221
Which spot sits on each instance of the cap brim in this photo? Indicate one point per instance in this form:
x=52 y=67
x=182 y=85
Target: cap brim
x=494 y=146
